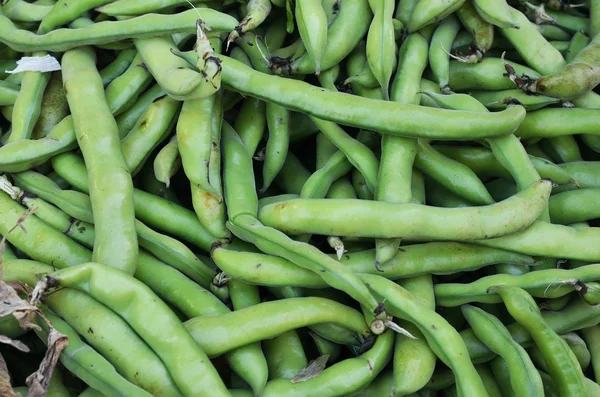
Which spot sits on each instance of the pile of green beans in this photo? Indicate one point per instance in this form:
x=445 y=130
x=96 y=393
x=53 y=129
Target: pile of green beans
x=300 y=198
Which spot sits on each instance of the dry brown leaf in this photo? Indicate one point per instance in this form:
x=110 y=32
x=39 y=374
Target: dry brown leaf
x=313 y=369
x=6 y=389
x=39 y=381
x=14 y=343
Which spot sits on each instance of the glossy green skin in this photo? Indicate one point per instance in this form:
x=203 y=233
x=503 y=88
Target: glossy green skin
x=194 y=142
x=537 y=52
x=65 y=11
x=128 y=118
x=570 y=22
x=112 y=337
x=123 y=92
x=111 y=190
x=490 y=383
x=414 y=360
x=312 y=26
x=575 y=343
x=394 y=220
x=544 y=239
x=357 y=151
x=8 y=93
x=272 y=241
x=485 y=75
x=524 y=377
x=495 y=12
x=584 y=172
x=118 y=66
x=317 y=186
x=278 y=123
x=266 y=321
x=155 y=211
x=166 y=164
x=451 y=174
x=381 y=43
x=251 y=362
x=129 y=7
x=497 y=99
x=574 y=206
x=384 y=117
x=186 y=362
x=560 y=360
x=577 y=315
x=546 y=123
x=87 y=364
x=257 y=12
x=151 y=130
x=251 y=123
x=54 y=107
x=50 y=246
x=591 y=335
x=172 y=73
x=427 y=12
x=292 y=176
x=346 y=377
x=110 y=31
x=551 y=283
x=443 y=339
x=440 y=42
x=238 y=176
x=577 y=43
x=19 y=10
x=285 y=355
x=482 y=161
x=563 y=149
x=25 y=154
x=28 y=105
x=358 y=69
x=343 y=35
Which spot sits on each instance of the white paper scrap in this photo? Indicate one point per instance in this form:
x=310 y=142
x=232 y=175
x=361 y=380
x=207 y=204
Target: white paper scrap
x=46 y=63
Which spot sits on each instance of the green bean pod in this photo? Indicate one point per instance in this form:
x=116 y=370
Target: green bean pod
x=19 y=10
x=560 y=360
x=427 y=12
x=343 y=35
x=482 y=31
x=360 y=112
x=122 y=293
x=591 y=335
x=109 y=334
x=551 y=283
x=381 y=44
x=111 y=190
x=443 y=339
x=251 y=123
x=441 y=41
x=65 y=11
x=501 y=99
x=118 y=66
x=348 y=376
x=486 y=75
x=312 y=25
x=285 y=355
x=60 y=40
x=26 y=154
x=278 y=123
x=8 y=93
x=358 y=68
x=87 y=364
x=128 y=118
x=523 y=375
x=167 y=162
x=496 y=12
x=413 y=260
x=258 y=11
x=393 y=220
x=265 y=321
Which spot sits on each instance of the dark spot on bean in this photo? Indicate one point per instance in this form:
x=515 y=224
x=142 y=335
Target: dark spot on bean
x=143 y=123
x=433 y=327
x=90 y=330
x=259 y=265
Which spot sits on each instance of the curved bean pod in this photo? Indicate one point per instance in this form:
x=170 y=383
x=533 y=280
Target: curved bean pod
x=560 y=360
x=381 y=44
x=8 y=93
x=427 y=12
x=167 y=162
x=217 y=335
x=524 y=377
x=111 y=31
x=441 y=40
x=132 y=7
x=392 y=220
x=65 y=11
x=412 y=260
x=382 y=116
x=439 y=333
x=111 y=190
x=122 y=293
x=496 y=12
x=575 y=206
x=482 y=31
x=551 y=283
